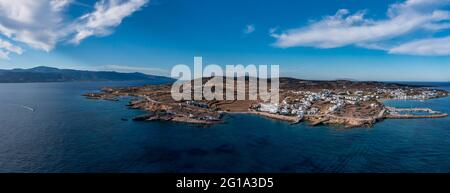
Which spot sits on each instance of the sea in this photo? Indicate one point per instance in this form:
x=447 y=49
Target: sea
x=52 y=128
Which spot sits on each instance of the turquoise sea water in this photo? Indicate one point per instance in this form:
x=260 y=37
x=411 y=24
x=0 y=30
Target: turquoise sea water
x=50 y=127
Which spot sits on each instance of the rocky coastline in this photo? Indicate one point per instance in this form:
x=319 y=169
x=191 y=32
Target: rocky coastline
x=351 y=104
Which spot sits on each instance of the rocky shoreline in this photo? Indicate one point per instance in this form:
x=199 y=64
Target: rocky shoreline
x=358 y=105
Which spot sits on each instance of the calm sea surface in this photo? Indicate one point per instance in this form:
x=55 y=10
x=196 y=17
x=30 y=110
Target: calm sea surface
x=68 y=133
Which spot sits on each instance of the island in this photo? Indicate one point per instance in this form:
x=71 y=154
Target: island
x=50 y=74
x=340 y=102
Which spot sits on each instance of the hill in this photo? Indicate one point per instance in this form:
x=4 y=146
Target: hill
x=49 y=74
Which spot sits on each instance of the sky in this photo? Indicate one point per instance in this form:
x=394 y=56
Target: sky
x=383 y=40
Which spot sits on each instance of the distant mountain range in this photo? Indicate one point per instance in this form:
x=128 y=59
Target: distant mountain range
x=49 y=74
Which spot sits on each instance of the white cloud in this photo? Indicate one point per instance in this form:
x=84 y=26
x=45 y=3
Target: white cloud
x=424 y=47
x=6 y=48
x=107 y=15
x=36 y=23
x=344 y=29
x=4 y=55
x=43 y=24
x=249 y=29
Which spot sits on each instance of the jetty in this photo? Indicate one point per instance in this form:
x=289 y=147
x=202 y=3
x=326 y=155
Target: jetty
x=394 y=113
x=409 y=116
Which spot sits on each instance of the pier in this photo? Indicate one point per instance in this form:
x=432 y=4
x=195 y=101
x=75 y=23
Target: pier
x=394 y=113
x=428 y=110
x=398 y=116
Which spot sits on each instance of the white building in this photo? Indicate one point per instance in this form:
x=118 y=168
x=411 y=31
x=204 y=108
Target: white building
x=268 y=107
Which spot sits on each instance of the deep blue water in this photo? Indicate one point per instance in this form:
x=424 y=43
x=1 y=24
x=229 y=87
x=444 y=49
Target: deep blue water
x=68 y=133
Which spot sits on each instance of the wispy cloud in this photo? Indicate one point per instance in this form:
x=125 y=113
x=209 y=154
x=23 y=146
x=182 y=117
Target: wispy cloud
x=424 y=47
x=43 y=24
x=345 y=28
x=7 y=47
x=249 y=29
x=107 y=15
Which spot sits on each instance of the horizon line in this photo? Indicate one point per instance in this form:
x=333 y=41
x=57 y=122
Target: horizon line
x=130 y=72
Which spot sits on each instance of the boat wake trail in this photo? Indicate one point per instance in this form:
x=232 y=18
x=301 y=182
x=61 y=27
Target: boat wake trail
x=25 y=107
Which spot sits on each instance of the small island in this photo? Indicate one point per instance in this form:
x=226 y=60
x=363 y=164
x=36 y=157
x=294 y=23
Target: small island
x=341 y=102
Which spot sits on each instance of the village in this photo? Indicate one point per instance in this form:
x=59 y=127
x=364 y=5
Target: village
x=308 y=103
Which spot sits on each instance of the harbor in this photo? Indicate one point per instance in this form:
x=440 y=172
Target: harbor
x=408 y=113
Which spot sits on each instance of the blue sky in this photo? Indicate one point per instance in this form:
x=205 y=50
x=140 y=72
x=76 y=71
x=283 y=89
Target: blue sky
x=311 y=39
